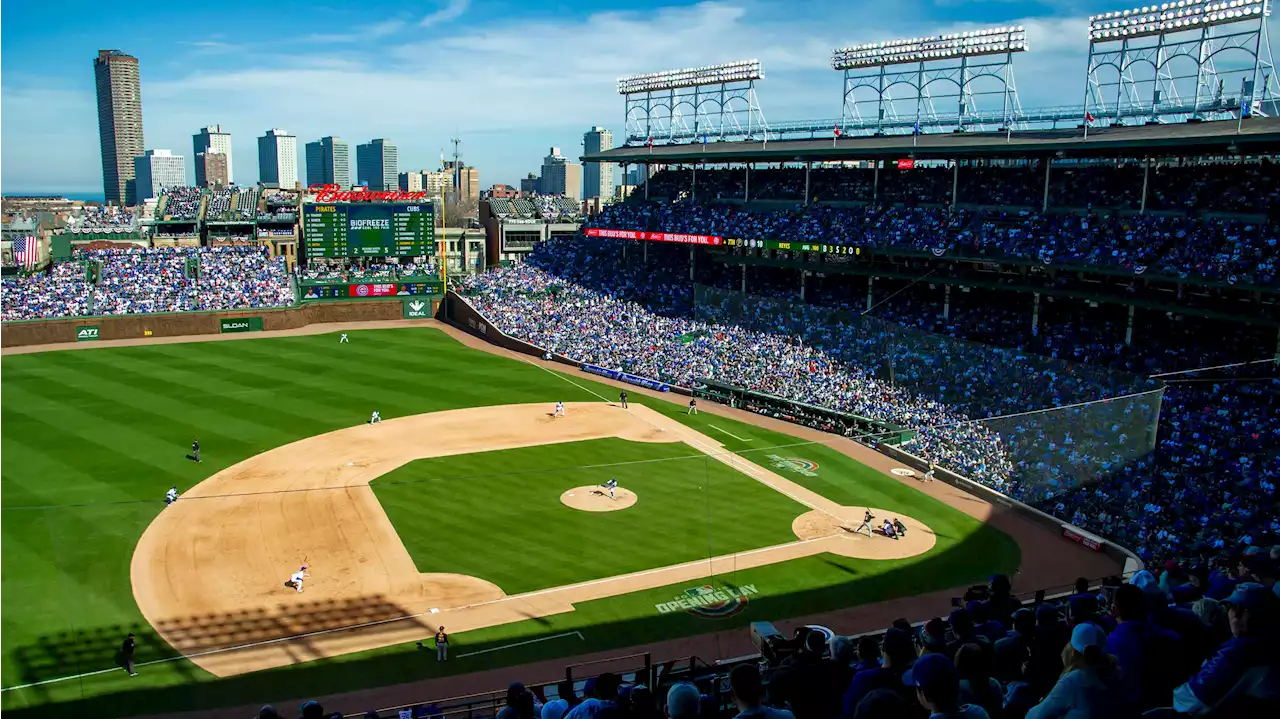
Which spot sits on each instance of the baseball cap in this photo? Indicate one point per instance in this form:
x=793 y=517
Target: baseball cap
x=897 y=642
x=934 y=634
x=555 y=709
x=1248 y=595
x=683 y=700
x=931 y=673
x=1087 y=634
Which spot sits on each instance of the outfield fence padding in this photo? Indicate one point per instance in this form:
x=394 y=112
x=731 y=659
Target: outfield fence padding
x=172 y=324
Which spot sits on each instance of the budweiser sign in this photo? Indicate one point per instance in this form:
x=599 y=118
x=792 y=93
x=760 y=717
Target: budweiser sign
x=655 y=236
x=335 y=193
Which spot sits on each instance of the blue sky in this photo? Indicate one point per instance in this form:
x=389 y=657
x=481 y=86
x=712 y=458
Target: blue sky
x=509 y=78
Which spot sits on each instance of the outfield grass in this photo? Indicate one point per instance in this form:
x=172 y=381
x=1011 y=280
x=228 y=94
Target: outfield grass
x=510 y=528
x=92 y=438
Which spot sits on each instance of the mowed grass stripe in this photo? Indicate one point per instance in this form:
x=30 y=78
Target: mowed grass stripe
x=497 y=525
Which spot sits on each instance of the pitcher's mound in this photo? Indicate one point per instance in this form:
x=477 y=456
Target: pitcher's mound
x=596 y=499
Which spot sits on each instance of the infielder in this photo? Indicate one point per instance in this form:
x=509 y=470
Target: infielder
x=559 y=410
x=343 y=338
x=866 y=523
x=297 y=577
x=171 y=496
x=376 y=418
x=611 y=485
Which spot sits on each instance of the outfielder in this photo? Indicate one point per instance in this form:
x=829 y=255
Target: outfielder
x=297 y=577
x=559 y=410
x=611 y=485
x=376 y=418
x=171 y=496
x=343 y=338
x=866 y=523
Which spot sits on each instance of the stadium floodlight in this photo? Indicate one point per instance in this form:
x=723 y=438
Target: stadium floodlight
x=742 y=71
x=988 y=41
x=1174 y=17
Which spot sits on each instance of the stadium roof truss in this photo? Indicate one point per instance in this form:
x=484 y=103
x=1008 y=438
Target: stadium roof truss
x=714 y=102
x=1176 y=61
x=943 y=82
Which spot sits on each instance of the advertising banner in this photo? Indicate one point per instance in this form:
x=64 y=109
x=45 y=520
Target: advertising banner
x=623 y=376
x=86 y=333
x=381 y=290
x=241 y=324
x=679 y=238
x=417 y=309
x=906 y=164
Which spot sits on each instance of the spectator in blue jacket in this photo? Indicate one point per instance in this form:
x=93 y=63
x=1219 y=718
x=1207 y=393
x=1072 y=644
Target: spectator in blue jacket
x=938 y=689
x=896 y=655
x=1243 y=677
x=1148 y=655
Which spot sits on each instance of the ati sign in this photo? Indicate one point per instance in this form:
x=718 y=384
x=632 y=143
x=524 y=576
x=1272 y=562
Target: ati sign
x=417 y=309
x=800 y=466
x=86 y=333
x=242 y=324
x=711 y=602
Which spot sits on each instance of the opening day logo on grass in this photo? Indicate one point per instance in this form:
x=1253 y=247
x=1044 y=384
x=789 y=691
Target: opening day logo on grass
x=710 y=602
x=798 y=465
x=86 y=333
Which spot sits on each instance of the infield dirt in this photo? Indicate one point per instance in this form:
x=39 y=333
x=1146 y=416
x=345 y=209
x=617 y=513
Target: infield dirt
x=228 y=545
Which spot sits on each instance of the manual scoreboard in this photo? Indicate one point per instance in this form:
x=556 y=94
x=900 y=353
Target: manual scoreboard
x=368 y=230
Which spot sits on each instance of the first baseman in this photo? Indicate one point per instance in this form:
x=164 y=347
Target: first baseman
x=297 y=577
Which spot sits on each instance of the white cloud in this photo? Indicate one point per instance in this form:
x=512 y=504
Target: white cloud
x=452 y=9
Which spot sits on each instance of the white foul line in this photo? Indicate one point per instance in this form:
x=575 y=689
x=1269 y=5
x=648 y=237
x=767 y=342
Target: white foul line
x=520 y=644
x=725 y=431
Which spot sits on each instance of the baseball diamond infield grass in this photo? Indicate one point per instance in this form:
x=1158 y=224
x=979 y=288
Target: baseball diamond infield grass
x=91 y=439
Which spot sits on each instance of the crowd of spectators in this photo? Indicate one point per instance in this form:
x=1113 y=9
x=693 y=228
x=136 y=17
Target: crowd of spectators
x=136 y=281
x=97 y=218
x=555 y=207
x=182 y=203
x=1208 y=486
x=1213 y=248
x=1178 y=641
x=340 y=271
x=1238 y=187
x=62 y=291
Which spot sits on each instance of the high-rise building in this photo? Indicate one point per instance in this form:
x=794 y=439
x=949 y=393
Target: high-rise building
x=329 y=162
x=210 y=140
x=377 y=165
x=561 y=177
x=278 y=159
x=529 y=185
x=211 y=169
x=468 y=182
x=598 y=176
x=119 y=122
x=411 y=181
x=437 y=184
x=155 y=170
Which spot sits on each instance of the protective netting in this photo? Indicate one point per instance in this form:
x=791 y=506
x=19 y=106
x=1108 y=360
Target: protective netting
x=1029 y=425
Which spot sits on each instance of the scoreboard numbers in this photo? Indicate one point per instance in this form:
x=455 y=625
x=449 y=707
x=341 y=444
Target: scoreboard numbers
x=368 y=230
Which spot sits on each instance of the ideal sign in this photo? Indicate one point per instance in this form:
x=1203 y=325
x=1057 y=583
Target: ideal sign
x=417 y=309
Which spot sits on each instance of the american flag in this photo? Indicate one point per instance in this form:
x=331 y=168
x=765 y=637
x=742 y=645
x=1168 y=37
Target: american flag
x=25 y=252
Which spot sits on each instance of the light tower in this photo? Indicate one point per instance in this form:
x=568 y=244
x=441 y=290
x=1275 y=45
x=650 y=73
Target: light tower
x=945 y=81
x=711 y=102
x=1190 y=59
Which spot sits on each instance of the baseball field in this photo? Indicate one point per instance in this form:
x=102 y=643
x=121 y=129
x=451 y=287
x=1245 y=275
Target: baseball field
x=469 y=506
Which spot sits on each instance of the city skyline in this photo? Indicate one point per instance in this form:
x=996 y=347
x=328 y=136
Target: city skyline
x=326 y=74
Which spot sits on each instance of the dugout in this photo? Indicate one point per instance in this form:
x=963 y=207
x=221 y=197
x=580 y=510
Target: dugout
x=821 y=418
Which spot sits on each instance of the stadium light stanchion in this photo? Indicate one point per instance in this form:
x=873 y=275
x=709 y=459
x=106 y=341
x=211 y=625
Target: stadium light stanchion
x=976 y=63
x=1137 y=47
x=720 y=98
